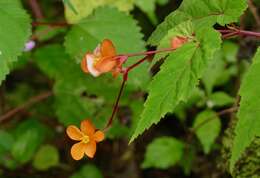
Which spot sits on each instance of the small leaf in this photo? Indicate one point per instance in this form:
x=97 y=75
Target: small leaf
x=220 y=99
x=207 y=127
x=148 y=6
x=248 y=124
x=88 y=171
x=46 y=157
x=70 y=5
x=6 y=141
x=15 y=31
x=163 y=153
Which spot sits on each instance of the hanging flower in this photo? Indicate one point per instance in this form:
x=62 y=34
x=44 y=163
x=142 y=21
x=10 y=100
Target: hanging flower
x=102 y=60
x=87 y=137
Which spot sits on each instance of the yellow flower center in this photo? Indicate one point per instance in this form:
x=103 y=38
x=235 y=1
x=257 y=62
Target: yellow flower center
x=85 y=139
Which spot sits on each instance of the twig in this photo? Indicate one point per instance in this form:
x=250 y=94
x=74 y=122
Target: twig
x=253 y=9
x=29 y=103
x=223 y=112
x=36 y=9
x=51 y=24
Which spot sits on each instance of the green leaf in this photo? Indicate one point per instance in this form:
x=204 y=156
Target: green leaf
x=14 y=33
x=248 y=124
x=85 y=7
x=207 y=127
x=6 y=141
x=46 y=157
x=112 y=24
x=202 y=13
x=163 y=153
x=26 y=145
x=220 y=99
x=178 y=76
x=88 y=171
x=70 y=5
x=230 y=51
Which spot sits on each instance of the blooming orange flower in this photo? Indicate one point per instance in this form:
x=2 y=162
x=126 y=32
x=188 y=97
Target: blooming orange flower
x=102 y=60
x=178 y=41
x=88 y=137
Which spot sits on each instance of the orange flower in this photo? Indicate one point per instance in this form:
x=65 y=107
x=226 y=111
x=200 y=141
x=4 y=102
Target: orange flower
x=102 y=60
x=178 y=41
x=88 y=137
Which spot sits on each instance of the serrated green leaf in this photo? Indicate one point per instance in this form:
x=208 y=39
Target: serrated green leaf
x=178 y=76
x=46 y=157
x=202 y=13
x=220 y=99
x=14 y=32
x=248 y=124
x=207 y=127
x=163 y=153
x=85 y=7
x=88 y=171
x=112 y=24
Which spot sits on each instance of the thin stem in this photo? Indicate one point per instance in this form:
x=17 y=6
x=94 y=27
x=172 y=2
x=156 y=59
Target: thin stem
x=223 y=112
x=36 y=9
x=51 y=24
x=125 y=78
x=148 y=52
x=254 y=11
x=249 y=33
x=30 y=102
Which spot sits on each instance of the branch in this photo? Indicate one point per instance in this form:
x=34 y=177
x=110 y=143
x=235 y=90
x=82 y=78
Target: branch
x=30 y=102
x=223 y=112
x=253 y=9
x=36 y=9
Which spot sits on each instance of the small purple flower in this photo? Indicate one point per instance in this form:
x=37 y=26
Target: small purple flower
x=29 y=46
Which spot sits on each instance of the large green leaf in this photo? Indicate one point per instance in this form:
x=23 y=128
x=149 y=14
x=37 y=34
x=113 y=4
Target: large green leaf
x=202 y=13
x=14 y=32
x=207 y=127
x=112 y=24
x=46 y=157
x=83 y=8
x=248 y=124
x=163 y=152
x=178 y=76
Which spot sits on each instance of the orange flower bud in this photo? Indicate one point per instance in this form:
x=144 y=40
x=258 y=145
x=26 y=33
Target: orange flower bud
x=178 y=41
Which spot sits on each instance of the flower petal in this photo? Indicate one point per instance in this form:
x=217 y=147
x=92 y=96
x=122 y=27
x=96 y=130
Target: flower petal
x=105 y=64
x=90 y=65
x=99 y=136
x=91 y=148
x=107 y=48
x=77 y=150
x=87 y=127
x=74 y=133
x=83 y=64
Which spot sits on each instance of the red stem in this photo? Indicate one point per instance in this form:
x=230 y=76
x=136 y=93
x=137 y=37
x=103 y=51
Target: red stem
x=54 y=24
x=125 y=78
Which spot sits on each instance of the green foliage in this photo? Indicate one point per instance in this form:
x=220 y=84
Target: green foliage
x=201 y=13
x=207 y=127
x=85 y=7
x=29 y=135
x=166 y=149
x=178 y=76
x=148 y=6
x=13 y=33
x=88 y=171
x=46 y=157
x=108 y=23
x=248 y=124
x=220 y=99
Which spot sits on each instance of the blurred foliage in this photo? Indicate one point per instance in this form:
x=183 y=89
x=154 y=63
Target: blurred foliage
x=188 y=88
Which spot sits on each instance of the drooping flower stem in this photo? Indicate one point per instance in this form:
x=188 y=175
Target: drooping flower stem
x=124 y=80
